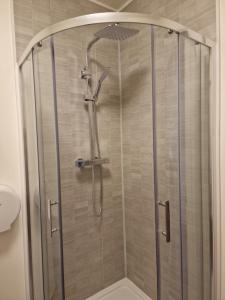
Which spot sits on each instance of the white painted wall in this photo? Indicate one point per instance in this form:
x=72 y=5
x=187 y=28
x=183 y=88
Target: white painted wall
x=12 y=270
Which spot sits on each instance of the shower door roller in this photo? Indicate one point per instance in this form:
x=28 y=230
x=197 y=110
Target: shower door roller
x=166 y=233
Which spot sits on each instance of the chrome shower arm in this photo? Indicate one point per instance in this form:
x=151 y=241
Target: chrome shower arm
x=89 y=46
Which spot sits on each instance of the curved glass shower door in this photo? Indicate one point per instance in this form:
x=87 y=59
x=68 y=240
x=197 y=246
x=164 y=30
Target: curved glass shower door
x=181 y=129
x=49 y=175
x=195 y=181
x=166 y=162
x=151 y=121
x=32 y=180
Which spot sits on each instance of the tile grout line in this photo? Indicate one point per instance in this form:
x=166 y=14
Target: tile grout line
x=103 y=5
x=127 y=3
x=118 y=288
x=119 y=9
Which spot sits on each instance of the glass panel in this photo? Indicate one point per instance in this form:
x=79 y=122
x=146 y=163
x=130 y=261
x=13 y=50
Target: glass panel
x=99 y=251
x=166 y=157
x=195 y=169
x=33 y=195
x=206 y=174
x=49 y=170
x=138 y=166
x=93 y=245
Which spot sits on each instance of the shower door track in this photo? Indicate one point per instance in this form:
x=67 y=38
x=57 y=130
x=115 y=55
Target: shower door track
x=111 y=17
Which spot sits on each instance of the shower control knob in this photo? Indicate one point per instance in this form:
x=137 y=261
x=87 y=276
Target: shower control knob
x=80 y=163
x=85 y=74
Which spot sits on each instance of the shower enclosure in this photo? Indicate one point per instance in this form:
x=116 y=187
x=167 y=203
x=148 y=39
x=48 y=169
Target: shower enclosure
x=117 y=146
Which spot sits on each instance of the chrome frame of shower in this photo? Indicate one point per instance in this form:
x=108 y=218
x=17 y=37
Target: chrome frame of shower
x=146 y=19
x=118 y=17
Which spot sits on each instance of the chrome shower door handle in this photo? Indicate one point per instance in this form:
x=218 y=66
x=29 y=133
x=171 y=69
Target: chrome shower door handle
x=166 y=233
x=50 y=205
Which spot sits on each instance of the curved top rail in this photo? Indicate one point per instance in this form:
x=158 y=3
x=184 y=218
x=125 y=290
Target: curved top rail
x=112 y=17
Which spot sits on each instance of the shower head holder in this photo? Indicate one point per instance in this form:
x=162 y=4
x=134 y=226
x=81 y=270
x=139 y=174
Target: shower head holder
x=85 y=74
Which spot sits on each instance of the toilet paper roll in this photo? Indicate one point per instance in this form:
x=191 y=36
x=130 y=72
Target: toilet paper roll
x=9 y=207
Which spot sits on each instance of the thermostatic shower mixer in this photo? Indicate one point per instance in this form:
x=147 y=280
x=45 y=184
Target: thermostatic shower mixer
x=81 y=163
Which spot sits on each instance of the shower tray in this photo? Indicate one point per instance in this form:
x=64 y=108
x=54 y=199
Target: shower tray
x=121 y=290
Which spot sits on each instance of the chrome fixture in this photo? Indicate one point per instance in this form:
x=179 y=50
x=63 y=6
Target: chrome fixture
x=118 y=17
x=112 y=32
x=116 y=32
x=99 y=84
x=81 y=163
x=166 y=205
x=50 y=205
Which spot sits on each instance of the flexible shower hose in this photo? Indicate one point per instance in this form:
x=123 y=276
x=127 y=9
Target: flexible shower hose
x=94 y=144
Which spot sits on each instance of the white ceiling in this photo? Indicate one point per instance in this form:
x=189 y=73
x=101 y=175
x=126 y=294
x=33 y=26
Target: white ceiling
x=114 y=5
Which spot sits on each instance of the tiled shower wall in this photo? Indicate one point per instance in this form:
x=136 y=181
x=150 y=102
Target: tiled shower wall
x=31 y=16
x=198 y=15
x=136 y=92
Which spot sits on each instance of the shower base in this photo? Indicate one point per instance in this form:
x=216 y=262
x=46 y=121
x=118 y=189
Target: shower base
x=121 y=290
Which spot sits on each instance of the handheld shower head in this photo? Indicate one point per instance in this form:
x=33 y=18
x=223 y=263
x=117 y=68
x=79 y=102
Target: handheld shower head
x=100 y=81
x=105 y=73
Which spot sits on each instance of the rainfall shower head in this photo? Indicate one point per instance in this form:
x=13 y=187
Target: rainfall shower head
x=116 y=32
x=112 y=32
